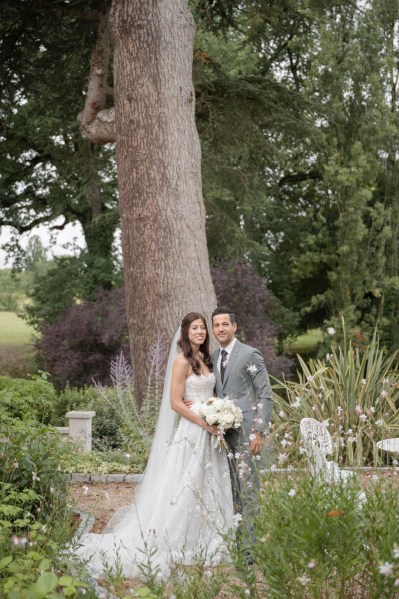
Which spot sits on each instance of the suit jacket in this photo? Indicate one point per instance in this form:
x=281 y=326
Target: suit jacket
x=246 y=381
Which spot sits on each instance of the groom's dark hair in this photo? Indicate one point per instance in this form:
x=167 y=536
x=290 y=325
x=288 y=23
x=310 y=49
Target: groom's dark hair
x=224 y=310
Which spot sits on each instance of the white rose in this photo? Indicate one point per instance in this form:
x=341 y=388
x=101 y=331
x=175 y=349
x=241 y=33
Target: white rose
x=228 y=419
x=212 y=419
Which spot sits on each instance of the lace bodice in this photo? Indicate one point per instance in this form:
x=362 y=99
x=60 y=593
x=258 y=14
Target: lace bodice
x=199 y=388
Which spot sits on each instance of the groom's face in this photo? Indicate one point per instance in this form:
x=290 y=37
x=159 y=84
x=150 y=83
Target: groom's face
x=223 y=329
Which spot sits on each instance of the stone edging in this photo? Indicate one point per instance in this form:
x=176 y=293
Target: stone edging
x=95 y=477
x=77 y=477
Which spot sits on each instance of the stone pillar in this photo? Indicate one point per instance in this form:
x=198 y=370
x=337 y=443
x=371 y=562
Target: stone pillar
x=80 y=428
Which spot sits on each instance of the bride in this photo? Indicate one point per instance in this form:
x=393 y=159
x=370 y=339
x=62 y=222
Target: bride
x=183 y=506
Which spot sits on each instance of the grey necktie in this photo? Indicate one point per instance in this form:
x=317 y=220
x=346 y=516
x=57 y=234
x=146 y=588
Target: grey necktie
x=223 y=364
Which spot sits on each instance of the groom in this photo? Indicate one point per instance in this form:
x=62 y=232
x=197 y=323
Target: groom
x=241 y=375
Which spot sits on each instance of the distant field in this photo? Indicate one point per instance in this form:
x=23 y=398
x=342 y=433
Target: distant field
x=304 y=344
x=14 y=331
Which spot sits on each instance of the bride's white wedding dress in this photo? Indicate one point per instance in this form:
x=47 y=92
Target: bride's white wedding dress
x=191 y=509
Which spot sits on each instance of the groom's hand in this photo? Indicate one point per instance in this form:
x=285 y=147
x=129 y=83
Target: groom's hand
x=257 y=443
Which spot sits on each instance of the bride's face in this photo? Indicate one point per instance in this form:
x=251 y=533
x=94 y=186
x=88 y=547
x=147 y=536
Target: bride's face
x=197 y=332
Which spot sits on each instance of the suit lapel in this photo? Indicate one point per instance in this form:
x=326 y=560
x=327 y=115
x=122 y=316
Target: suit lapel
x=215 y=368
x=231 y=360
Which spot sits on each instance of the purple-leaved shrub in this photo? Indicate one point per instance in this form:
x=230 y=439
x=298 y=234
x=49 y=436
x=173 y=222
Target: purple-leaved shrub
x=79 y=347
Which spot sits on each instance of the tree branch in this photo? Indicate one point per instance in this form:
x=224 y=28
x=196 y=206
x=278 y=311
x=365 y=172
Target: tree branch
x=96 y=122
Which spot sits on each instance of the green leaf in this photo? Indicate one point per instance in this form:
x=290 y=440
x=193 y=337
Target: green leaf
x=46 y=583
x=5 y=561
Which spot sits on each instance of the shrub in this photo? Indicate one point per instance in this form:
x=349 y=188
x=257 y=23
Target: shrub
x=35 y=520
x=17 y=362
x=30 y=455
x=79 y=346
x=354 y=391
x=240 y=288
x=27 y=399
x=319 y=541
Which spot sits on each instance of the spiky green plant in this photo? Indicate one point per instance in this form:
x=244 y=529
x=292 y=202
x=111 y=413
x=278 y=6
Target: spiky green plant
x=354 y=391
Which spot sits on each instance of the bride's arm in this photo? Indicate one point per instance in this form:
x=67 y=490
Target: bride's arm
x=179 y=375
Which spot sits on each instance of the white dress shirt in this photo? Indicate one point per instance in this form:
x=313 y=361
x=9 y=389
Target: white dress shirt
x=228 y=349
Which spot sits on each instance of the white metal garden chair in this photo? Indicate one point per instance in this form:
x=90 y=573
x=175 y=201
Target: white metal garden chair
x=318 y=444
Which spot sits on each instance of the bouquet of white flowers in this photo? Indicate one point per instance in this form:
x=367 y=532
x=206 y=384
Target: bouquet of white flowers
x=222 y=413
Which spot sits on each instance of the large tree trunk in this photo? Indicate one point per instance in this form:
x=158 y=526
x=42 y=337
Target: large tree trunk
x=159 y=172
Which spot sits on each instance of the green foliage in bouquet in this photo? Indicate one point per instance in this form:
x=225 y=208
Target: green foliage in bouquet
x=354 y=391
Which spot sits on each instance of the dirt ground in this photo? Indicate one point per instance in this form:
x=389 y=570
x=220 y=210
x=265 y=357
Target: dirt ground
x=101 y=500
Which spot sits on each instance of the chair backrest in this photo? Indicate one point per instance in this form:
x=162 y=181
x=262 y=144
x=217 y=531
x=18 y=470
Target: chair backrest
x=317 y=444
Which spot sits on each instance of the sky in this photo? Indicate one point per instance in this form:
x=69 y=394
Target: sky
x=71 y=234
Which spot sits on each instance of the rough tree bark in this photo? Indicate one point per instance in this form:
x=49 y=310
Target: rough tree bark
x=159 y=172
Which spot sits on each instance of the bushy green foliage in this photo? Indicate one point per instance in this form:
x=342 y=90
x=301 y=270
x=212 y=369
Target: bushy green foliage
x=355 y=391
x=318 y=540
x=30 y=455
x=103 y=462
x=35 y=514
x=27 y=399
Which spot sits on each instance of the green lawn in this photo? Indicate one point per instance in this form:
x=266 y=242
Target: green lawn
x=304 y=344
x=14 y=331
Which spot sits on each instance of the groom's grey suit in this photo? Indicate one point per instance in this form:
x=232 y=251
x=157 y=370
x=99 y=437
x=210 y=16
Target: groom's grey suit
x=246 y=382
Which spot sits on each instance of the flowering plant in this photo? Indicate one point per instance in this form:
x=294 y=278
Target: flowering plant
x=222 y=413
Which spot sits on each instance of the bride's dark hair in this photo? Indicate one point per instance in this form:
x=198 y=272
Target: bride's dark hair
x=185 y=345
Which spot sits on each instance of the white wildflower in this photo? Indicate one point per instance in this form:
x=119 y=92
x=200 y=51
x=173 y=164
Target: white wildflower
x=364 y=382
x=331 y=331
x=386 y=569
x=312 y=564
x=281 y=414
x=282 y=458
x=304 y=580
x=384 y=393
x=297 y=402
x=363 y=417
x=372 y=409
x=329 y=357
x=379 y=422
x=292 y=492
x=237 y=518
x=310 y=379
